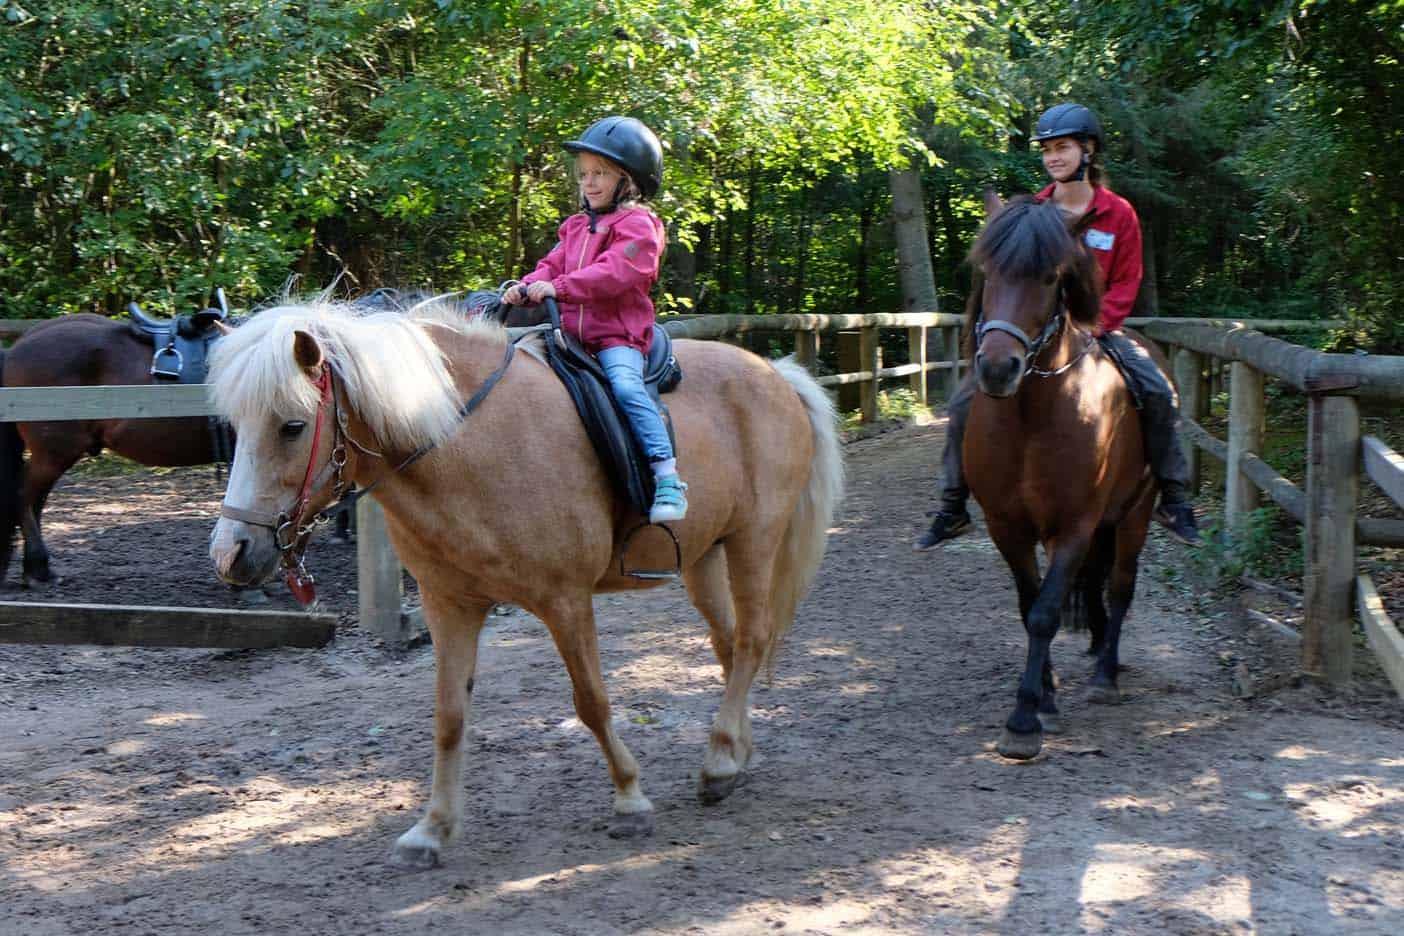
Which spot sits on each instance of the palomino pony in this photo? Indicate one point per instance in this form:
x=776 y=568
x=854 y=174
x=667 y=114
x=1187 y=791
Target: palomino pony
x=512 y=505
x=1053 y=449
x=79 y=350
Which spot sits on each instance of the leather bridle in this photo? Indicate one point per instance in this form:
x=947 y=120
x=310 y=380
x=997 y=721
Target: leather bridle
x=287 y=526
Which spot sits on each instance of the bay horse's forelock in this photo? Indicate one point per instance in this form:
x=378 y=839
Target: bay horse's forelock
x=514 y=507
x=1059 y=463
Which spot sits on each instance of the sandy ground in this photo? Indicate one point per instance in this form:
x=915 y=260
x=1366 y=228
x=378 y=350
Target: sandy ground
x=179 y=791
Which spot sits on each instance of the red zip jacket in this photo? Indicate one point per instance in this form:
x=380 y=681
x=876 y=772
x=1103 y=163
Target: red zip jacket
x=602 y=279
x=1115 y=239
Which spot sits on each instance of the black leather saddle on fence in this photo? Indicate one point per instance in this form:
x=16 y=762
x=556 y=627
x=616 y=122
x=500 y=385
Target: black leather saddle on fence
x=182 y=343
x=605 y=422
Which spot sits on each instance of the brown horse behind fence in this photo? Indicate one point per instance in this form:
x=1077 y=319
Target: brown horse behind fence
x=1053 y=449
x=512 y=504
x=73 y=351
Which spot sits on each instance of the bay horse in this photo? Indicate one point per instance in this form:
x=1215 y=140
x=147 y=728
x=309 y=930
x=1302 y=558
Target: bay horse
x=510 y=504
x=1053 y=449
x=81 y=349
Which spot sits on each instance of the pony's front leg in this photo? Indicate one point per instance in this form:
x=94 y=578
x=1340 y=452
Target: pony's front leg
x=455 y=628
x=1023 y=732
x=571 y=622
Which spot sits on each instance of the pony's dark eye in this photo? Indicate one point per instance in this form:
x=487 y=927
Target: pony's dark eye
x=291 y=430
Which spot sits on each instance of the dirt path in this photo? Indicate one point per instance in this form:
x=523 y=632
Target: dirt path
x=199 y=791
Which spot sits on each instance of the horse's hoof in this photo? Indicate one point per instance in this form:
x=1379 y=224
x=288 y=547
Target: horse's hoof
x=1020 y=746
x=251 y=596
x=631 y=825
x=414 y=857
x=712 y=790
x=1052 y=722
x=1106 y=694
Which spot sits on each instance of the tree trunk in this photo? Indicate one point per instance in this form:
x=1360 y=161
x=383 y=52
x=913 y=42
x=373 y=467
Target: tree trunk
x=913 y=259
x=752 y=191
x=514 y=210
x=865 y=229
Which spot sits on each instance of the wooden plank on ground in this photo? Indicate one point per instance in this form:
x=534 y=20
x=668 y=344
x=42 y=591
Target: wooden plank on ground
x=136 y=626
x=1385 y=467
x=36 y=404
x=1384 y=637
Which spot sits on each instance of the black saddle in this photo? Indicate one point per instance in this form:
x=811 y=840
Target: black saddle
x=182 y=343
x=606 y=424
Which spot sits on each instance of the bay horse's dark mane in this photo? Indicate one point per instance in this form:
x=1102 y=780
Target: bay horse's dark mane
x=1030 y=239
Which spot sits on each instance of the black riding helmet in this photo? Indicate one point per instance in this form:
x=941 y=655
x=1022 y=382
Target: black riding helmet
x=629 y=143
x=1069 y=119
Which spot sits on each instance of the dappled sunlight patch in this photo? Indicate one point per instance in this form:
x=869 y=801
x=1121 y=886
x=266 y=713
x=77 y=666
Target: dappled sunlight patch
x=576 y=874
x=1346 y=805
x=1185 y=878
x=859 y=688
x=128 y=747
x=168 y=719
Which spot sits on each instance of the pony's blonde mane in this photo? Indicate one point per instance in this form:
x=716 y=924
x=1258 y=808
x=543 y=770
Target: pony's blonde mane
x=394 y=376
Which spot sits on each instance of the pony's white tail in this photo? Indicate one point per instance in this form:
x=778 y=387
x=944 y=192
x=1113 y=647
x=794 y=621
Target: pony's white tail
x=802 y=547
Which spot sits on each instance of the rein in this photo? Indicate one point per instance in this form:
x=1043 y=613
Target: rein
x=287 y=526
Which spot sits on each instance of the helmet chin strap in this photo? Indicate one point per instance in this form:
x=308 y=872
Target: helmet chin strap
x=1086 y=161
x=619 y=188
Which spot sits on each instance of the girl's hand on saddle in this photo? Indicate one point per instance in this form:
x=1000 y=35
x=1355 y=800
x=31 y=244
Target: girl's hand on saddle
x=539 y=290
x=512 y=295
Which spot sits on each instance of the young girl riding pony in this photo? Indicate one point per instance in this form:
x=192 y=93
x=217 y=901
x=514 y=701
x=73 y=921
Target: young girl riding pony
x=600 y=272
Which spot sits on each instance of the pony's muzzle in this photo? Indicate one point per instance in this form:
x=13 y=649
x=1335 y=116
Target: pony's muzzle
x=242 y=554
x=999 y=376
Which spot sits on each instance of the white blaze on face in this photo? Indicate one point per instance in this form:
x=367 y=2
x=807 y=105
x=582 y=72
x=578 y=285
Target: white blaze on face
x=242 y=493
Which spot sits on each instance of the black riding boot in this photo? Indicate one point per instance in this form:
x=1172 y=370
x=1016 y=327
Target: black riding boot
x=1159 y=417
x=951 y=519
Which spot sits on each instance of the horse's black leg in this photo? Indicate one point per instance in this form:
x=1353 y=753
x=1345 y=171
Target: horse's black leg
x=45 y=468
x=1048 y=715
x=1023 y=732
x=1120 y=592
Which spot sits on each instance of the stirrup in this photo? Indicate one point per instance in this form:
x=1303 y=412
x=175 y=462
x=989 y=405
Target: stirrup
x=651 y=575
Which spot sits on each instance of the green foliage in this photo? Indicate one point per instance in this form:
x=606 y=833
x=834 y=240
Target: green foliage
x=1266 y=543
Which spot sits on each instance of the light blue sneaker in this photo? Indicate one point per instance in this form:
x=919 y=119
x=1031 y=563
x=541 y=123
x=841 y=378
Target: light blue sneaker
x=669 y=499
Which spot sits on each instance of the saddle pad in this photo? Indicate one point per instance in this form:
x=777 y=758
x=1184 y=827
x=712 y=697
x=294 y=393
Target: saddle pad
x=605 y=422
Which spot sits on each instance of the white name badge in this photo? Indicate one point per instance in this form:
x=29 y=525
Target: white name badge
x=1099 y=240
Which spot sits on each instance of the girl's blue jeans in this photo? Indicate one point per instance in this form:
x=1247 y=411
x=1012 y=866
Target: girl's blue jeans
x=624 y=368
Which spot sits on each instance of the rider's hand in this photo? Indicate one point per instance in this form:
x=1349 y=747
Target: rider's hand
x=513 y=295
x=540 y=289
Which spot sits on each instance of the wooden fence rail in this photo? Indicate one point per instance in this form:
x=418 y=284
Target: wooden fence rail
x=1336 y=455
x=380 y=592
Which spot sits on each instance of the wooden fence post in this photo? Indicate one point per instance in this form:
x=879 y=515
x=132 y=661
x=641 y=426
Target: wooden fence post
x=850 y=360
x=916 y=354
x=1333 y=483
x=1245 y=436
x=1188 y=365
x=870 y=359
x=807 y=349
x=381 y=588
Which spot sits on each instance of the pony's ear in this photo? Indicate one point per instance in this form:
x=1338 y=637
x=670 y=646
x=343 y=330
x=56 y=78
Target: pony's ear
x=306 y=351
x=993 y=203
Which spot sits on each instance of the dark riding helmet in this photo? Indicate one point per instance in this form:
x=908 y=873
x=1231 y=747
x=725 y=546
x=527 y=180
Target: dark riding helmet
x=1068 y=119
x=629 y=143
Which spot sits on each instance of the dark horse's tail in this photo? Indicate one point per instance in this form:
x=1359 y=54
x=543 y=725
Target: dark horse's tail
x=11 y=479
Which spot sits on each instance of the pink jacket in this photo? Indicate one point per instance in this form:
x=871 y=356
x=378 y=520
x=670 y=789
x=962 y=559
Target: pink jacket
x=602 y=279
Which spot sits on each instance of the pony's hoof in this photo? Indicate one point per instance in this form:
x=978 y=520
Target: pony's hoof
x=1104 y=694
x=631 y=825
x=414 y=857
x=251 y=596
x=712 y=790
x=1020 y=746
x=1052 y=722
